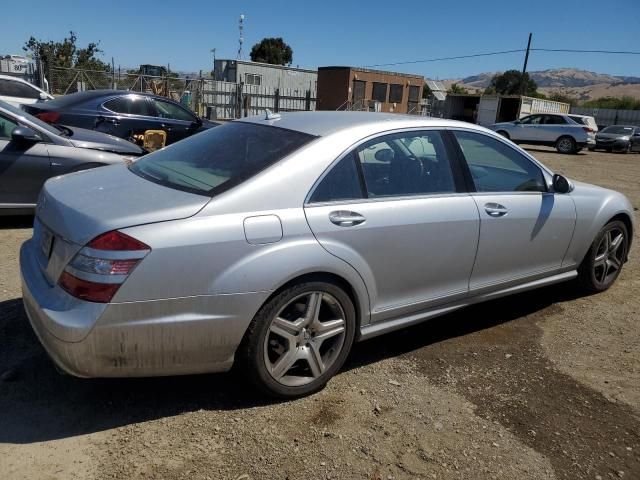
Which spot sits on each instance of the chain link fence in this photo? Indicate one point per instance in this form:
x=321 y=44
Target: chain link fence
x=207 y=97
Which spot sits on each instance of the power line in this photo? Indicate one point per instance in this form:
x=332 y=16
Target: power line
x=617 y=52
x=445 y=58
x=487 y=54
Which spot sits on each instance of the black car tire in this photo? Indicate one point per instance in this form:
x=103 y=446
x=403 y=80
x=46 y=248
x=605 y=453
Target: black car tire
x=504 y=134
x=250 y=357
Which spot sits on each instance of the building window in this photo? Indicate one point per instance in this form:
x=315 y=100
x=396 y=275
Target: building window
x=414 y=93
x=379 y=92
x=395 y=93
x=252 y=79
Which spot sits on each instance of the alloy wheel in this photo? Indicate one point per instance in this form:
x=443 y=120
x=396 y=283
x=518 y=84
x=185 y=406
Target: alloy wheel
x=609 y=256
x=304 y=338
x=565 y=145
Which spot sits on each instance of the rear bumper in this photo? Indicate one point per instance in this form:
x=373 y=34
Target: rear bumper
x=149 y=338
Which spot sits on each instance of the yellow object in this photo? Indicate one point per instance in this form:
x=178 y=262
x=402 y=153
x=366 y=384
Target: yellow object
x=154 y=139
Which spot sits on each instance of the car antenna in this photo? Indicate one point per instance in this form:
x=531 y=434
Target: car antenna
x=269 y=115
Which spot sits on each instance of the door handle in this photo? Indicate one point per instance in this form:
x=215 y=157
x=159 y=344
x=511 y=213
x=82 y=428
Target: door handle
x=495 y=209
x=345 y=218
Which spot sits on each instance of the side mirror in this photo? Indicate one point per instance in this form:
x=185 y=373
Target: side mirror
x=25 y=135
x=561 y=184
x=44 y=96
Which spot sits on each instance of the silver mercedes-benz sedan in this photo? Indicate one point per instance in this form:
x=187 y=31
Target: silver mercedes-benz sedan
x=275 y=242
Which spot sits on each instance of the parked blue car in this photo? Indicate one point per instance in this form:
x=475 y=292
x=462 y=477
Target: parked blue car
x=122 y=113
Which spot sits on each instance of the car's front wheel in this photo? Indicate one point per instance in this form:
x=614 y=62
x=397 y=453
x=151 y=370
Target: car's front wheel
x=504 y=134
x=605 y=258
x=299 y=339
x=566 y=145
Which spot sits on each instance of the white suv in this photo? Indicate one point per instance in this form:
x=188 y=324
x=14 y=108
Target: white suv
x=584 y=120
x=16 y=91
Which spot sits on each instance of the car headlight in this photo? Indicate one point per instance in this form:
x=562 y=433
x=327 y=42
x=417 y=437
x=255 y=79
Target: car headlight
x=626 y=139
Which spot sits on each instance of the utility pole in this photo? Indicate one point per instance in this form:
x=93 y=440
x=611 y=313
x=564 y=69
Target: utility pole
x=524 y=67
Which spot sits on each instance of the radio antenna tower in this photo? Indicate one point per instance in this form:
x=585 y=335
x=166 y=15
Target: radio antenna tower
x=241 y=38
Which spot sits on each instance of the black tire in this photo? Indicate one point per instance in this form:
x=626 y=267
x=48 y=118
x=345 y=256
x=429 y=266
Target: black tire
x=250 y=357
x=566 y=145
x=589 y=276
x=504 y=134
x=592 y=149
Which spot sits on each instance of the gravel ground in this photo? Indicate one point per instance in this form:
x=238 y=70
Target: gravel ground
x=542 y=385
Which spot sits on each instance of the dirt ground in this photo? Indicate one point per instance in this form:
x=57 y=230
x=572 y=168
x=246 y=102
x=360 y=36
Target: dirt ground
x=543 y=385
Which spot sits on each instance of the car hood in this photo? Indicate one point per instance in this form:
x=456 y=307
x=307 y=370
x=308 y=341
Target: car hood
x=609 y=136
x=83 y=138
x=82 y=205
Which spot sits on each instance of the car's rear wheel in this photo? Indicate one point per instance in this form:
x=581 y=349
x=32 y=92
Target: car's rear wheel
x=605 y=258
x=566 y=145
x=504 y=134
x=299 y=339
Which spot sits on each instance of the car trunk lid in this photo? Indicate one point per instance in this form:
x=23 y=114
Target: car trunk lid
x=76 y=208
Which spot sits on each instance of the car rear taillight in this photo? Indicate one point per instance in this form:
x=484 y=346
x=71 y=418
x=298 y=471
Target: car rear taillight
x=49 y=117
x=588 y=129
x=98 y=270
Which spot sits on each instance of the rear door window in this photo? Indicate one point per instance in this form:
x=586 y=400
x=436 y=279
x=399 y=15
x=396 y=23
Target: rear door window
x=129 y=105
x=409 y=163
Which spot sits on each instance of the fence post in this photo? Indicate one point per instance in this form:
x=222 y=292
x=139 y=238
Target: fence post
x=276 y=100
x=239 y=95
x=307 y=100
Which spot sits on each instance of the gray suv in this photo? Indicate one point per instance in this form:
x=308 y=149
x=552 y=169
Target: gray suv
x=553 y=130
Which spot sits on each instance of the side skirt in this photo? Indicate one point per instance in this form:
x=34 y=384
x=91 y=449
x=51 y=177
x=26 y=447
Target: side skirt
x=373 y=330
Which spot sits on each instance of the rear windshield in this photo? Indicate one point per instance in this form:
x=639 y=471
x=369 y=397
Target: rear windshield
x=618 y=130
x=215 y=160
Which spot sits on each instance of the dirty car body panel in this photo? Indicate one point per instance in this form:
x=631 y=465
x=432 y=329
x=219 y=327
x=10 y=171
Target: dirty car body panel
x=210 y=246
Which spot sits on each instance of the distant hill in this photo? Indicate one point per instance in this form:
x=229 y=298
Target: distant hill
x=581 y=84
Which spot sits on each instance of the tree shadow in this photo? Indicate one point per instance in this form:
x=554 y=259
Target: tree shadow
x=38 y=404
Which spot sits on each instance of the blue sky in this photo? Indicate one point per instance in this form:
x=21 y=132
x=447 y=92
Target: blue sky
x=329 y=32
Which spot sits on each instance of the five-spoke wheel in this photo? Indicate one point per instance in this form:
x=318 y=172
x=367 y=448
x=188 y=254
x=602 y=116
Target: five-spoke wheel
x=605 y=258
x=299 y=339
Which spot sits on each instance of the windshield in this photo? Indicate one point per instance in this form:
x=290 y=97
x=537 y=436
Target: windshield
x=618 y=130
x=219 y=158
x=27 y=116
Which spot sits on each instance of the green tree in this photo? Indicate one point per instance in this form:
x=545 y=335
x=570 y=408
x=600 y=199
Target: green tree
x=426 y=91
x=272 y=50
x=455 y=88
x=563 y=97
x=509 y=83
x=67 y=53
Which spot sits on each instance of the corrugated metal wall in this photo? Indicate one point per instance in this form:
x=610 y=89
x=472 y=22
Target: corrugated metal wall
x=226 y=100
x=282 y=78
x=610 y=116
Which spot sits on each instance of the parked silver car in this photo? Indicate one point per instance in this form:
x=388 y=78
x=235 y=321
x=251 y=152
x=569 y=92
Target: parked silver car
x=275 y=243
x=32 y=151
x=553 y=130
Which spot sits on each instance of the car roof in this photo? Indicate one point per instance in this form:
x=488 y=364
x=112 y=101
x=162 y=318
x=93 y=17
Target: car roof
x=323 y=123
x=17 y=79
x=78 y=97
